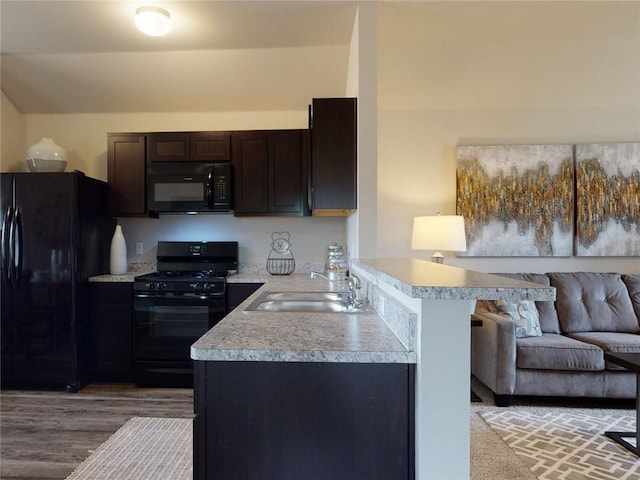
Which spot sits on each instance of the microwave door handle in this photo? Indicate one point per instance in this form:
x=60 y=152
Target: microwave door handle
x=209 y=188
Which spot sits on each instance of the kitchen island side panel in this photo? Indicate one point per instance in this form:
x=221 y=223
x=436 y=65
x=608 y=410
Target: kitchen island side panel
x=266 y=420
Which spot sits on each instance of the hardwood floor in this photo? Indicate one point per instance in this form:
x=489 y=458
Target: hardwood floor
x=46 y=435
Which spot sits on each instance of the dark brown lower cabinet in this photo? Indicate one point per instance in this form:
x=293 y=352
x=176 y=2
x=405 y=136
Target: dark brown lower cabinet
x=311 y=421
x=239 y=292
x=112 y=317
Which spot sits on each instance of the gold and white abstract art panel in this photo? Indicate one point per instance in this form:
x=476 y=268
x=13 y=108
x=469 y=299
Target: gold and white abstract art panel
x=517 y=200
x=608 y=199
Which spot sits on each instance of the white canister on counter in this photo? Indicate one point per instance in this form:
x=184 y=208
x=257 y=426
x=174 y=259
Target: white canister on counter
x=118 y=253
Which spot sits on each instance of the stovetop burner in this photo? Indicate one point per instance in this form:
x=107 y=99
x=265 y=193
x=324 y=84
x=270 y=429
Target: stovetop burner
x=175 y=275
x=190 y=267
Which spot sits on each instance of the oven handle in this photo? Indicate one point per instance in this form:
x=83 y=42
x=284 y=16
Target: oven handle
x=202 y=296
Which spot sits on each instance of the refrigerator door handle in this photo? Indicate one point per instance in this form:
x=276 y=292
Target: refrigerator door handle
x=7 y=225
x=18 y=245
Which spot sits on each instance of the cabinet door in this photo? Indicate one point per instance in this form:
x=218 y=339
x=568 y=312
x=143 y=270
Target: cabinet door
x=210 y=146
x=285 y=167
x=189 y=147
x=250 y=165
x=333 y=155
x=312 y=421
x=112 y=316
x=126 y=174
x=268 y=171
x=168 y=147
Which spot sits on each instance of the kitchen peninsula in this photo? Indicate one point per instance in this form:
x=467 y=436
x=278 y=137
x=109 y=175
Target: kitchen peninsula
x=406 y=367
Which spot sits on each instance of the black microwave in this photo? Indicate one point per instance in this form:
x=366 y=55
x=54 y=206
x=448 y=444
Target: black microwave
x=188 y=187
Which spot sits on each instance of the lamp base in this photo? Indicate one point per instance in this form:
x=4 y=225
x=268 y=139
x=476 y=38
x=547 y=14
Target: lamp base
x=437 y=257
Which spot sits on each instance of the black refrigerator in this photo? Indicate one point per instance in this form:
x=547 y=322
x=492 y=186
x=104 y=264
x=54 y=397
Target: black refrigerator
x=56 y=233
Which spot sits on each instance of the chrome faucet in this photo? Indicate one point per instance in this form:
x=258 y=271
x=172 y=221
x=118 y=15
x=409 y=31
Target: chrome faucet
x=352 y=285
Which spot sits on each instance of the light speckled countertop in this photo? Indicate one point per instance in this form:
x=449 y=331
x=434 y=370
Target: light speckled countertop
x=133 y=270
x=332 y=337
x=298 y=337
x=108 y=278
x=424 y=279
x=335 y=337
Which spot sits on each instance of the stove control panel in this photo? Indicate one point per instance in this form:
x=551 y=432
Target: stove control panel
x=156 y=286
x=179 y=286
x=205 y=286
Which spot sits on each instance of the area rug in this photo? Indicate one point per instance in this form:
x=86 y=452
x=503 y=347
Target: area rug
x=558 y=445
x=144 y=448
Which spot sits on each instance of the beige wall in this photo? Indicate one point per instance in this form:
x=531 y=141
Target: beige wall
x=452 y=73
x=12 y=147
x=445 y=73
x=84 y=136
x=362 y=225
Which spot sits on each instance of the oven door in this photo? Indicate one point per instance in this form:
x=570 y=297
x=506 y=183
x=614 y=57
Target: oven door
x=166 y=325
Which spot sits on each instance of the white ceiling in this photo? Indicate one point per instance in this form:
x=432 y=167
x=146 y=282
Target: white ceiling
x=87 y=57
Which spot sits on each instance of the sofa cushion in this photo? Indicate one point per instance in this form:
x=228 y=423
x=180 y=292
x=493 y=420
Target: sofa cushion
x=593 y=302
x=633 y=286
x=524 y=314
x=558 y=352
x=546 y=310
x=612 y=342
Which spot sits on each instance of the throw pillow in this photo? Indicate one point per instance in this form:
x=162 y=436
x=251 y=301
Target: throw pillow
x=525 y=315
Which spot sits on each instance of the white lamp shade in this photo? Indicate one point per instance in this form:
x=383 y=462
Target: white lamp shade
x=153 y=21
x=439 y=232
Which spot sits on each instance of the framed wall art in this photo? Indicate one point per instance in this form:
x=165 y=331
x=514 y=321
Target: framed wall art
x=608 y=199
x=517 y=200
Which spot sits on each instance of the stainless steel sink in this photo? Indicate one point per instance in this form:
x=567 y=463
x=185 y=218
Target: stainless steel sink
x=304 y=296
x=317 y=302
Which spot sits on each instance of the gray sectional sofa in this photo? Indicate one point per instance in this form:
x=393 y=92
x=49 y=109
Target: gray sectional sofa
x=562 y=354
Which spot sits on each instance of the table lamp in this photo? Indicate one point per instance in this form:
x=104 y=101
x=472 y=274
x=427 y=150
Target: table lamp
x=439 y=232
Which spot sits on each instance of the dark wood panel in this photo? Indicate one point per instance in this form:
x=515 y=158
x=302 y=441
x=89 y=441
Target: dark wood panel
x=189 y=147
x=168 y=147
x=239 y=292
x=334 y=153
x=269 y=172
x=112 y=317
x=303 y=420
x=250 y=163
x=285 y=170
x=210 y=146
x=126 y=174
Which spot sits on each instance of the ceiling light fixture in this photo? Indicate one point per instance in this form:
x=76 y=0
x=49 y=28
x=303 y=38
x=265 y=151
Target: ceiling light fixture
x=153 y=21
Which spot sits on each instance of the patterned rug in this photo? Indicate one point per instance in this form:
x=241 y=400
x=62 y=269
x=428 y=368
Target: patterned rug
x=558 y=445
x=144 y=448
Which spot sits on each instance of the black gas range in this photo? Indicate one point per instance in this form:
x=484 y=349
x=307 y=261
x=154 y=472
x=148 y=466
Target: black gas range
x=176 y=305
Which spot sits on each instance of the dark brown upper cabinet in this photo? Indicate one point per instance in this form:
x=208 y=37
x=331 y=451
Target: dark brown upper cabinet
x=126 y=154
x=189 y=147
x=333 y=125
x=269 y=168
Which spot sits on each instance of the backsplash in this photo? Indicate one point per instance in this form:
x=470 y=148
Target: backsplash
x=310 y=236
x=261 y=268
x=243 y=267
